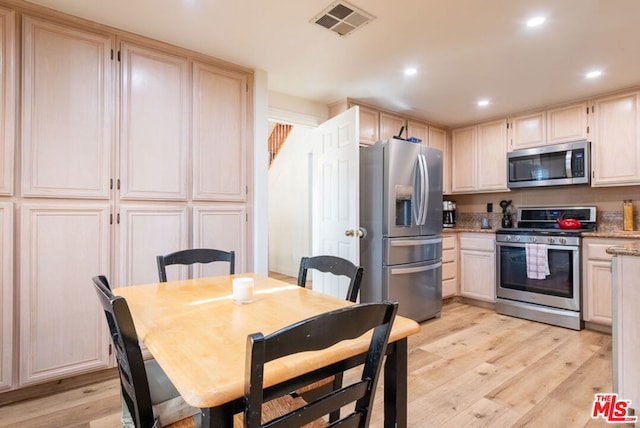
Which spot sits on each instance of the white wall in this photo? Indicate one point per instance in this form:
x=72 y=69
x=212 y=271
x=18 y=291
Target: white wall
x=290 y=202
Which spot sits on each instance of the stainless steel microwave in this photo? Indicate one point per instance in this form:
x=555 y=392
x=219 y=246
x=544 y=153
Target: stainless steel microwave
x=556 y=165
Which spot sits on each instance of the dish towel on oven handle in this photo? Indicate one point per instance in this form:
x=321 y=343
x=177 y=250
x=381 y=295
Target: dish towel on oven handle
x=537 y=261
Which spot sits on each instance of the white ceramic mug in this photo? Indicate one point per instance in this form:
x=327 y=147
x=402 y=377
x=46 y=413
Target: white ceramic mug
x=243 y=290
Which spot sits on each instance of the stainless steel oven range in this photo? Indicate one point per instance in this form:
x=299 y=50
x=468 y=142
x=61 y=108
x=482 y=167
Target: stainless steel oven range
x=538 y=265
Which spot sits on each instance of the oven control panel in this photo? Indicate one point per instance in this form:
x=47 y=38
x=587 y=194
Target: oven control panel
x=535 y=239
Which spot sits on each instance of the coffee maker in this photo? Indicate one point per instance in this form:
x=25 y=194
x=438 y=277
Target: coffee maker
x=448 y=214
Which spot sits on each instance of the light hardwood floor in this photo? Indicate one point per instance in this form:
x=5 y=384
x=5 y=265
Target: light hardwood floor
x=469 y=368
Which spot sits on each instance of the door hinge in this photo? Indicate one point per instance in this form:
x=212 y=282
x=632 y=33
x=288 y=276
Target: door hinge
x=118 y=184
x=507 y=125
x=593 y=109
x=110 y=349
x=118 y=218
x=110 y=218
x=587 y=109
x=587 y=129
x=246 y=87
x=246 y=190
x=246 y=217
x=119 y=56
x=111 y=183
x=111 y=54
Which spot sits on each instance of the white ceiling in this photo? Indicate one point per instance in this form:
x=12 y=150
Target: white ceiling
x=464 y=50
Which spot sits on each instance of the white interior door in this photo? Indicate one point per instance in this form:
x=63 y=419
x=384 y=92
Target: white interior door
x=335 y=201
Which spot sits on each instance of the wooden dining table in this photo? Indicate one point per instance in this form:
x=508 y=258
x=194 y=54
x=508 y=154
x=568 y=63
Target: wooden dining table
x=198 y=335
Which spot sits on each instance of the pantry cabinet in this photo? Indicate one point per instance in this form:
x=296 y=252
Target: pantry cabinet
x=6 y=295
x=561 y=124
x=7 y=101
x=67 y=115
x=449 y=266
x=154 y=127
x=478 y=266
x=479 y=158
x=597 y=281
x=62 y=327
x=616 y=140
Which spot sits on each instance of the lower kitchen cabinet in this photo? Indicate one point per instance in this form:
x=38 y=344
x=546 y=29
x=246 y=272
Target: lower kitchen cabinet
x=449 y=266
x=596 y=281
x=62 y=327
x=6 y=295
x=478 y=266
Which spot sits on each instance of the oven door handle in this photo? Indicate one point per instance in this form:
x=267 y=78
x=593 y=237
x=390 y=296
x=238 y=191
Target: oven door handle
x=404 y=271
x=549 y=246
x=567 y=163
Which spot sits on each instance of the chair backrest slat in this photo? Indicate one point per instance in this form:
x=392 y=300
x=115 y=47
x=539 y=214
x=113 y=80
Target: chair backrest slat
x=335 y=265
x=194 y=255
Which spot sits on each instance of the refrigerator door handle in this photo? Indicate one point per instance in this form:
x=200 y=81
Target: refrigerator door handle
x=417 y=192
x=404 y=271
x=415 y=242
x=425 y=189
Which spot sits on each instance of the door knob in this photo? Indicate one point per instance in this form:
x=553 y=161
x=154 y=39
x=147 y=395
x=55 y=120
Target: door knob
x=349 y=232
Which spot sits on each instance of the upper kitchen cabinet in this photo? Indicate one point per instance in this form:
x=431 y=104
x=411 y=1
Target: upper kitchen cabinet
x=554 y=126
x=437 y=138
x=616 y=140
x=219 y=133
x=67 y=111
x=567 y=123
x=478 y=155
x=418 y=130
x=7 y=100
x=390 y=125
x=154 y=127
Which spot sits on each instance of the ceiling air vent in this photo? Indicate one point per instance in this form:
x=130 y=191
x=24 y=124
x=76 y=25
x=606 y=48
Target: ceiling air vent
x=342 y=18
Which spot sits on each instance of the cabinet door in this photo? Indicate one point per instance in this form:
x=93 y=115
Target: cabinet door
x=154 y=130
x=146 y=231
x=566 y=124
x=62 y=326
x=616 y=144
x=464 y=158
x=390 y=125
x=492 y=155
x=67 y=111
x=598 y=294
x=528 y=131
x=7 y=101
x=219 y=134
x=369 y=124
x=438 y=140
x=418 y=130
x=6 y=295
x=477 y=275
x=223 y=227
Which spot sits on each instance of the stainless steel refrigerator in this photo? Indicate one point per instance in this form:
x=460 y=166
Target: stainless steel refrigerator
x=401 y=212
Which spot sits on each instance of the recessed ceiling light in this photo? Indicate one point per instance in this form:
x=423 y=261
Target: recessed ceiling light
x=534 y=22
x=410 y=71
x=593 y=74
x=483 y=103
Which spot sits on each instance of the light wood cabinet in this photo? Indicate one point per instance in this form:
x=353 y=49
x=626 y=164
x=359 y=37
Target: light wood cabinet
x=449 y=266
x=7 y=101
x=390 y=125
x=567 y=123
x=616 y=140
x=6 y=295
x=418 y=130
x=154 y=129
x=62 y=327
x=219 y=134
x=222 y=226
x=596 y=282
x=478 y=266
x=479 y=158
x=558 y=125
x=437 y=138
x=67 y=114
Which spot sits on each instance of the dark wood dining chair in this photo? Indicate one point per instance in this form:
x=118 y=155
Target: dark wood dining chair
x=195 y=255
x=148 y=396
x=335 y=265
x=312 y=334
